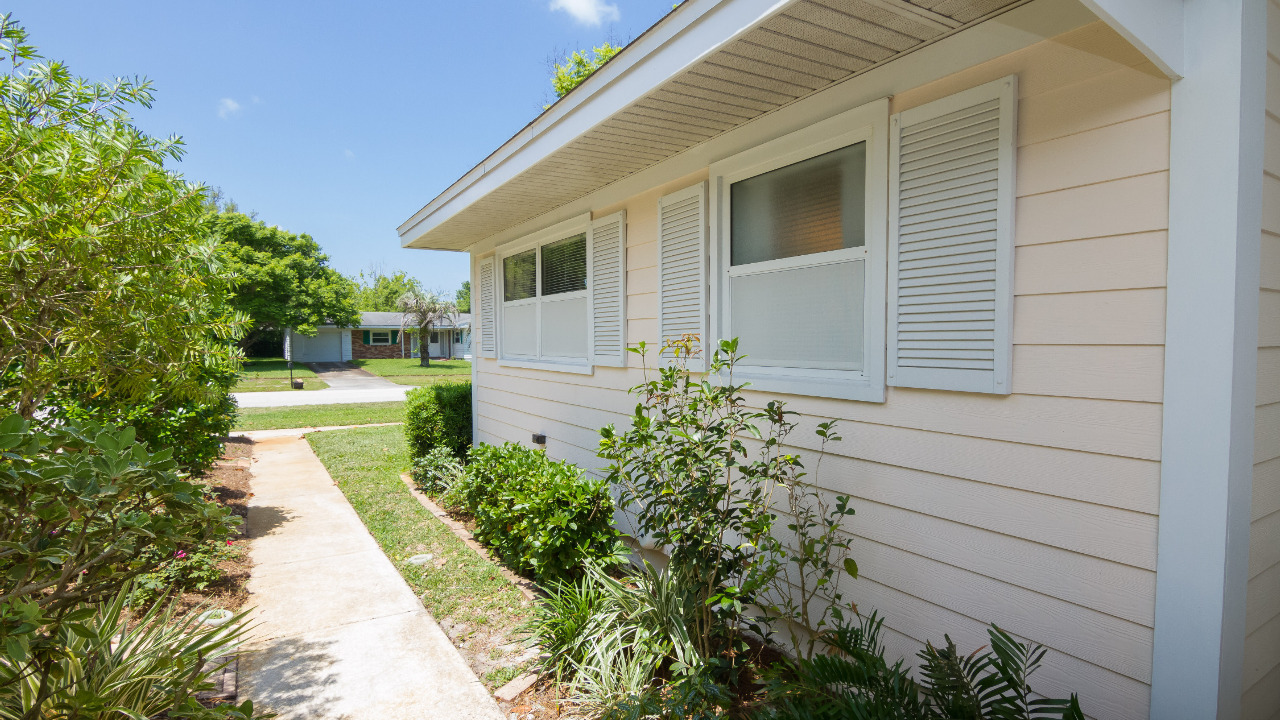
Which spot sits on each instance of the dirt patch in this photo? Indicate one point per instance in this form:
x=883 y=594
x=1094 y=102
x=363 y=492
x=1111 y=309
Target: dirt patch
x=229 y=478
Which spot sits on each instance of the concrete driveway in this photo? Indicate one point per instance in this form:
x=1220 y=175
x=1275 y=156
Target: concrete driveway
x=346 y=385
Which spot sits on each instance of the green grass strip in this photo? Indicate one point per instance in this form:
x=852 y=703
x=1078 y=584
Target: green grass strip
x=320 y=415
x=273 y=368
x=366 y=463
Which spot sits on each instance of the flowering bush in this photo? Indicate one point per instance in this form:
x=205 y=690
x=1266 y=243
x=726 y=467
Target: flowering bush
x=193 y=569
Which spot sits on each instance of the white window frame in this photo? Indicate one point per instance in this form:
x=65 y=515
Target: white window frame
x=579 y=225
x=870 y=124
x=373 y=337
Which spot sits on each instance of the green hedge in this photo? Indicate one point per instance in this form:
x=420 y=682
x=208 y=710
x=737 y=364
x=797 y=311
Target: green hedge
x=541 y=516
x=438 y=415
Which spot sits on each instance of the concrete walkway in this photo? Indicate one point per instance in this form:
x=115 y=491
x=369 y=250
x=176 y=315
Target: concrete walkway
x=340 y=635
x=346 y=385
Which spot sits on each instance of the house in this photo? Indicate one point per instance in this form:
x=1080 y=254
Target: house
x=379 y=335
x=1028 y=255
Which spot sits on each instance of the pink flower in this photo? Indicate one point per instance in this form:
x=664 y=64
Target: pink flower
x=230 y=542
x=180 y=554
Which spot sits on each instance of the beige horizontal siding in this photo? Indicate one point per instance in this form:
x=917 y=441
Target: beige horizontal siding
x=1036 y=510
x=1261 y=686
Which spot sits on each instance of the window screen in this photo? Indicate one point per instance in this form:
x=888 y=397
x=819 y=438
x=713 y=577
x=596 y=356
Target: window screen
x=564 y=266
x=811 y=206
x=519 y=275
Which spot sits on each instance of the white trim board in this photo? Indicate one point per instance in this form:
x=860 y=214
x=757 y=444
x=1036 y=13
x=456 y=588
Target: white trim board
x=1206 y=469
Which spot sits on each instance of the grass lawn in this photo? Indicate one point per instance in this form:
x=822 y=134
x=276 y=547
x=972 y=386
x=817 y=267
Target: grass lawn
x=272 y=374
x=479 y=610
x=320 y=415
x=409 y=371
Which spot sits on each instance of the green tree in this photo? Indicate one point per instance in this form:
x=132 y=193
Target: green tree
x=104 y=275
x=577 y=67
x=282 y=280
x=463 y=297
x=425 y=309
x=378 y=292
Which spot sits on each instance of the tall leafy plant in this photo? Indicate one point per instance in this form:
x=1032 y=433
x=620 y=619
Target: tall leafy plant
x=425 y=310
x=687 y=471
x=105 y=276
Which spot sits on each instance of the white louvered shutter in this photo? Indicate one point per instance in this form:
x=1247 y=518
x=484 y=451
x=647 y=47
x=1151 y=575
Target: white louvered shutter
x=682 y=269
x=608 y=257
x=486 y=310
x=951 y=197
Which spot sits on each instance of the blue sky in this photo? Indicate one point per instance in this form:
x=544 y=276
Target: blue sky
x=335 y=119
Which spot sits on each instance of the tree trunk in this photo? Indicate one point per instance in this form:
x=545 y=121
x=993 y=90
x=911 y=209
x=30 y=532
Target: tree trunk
x=424 y=346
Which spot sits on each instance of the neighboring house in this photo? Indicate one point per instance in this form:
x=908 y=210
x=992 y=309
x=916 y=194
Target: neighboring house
x=1014 y=247
x=379 y=335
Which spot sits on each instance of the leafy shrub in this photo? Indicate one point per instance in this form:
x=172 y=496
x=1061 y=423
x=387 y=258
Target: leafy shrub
x=438 y=415
x=85 y=509
x=685 y=471
x=856 y=681
x=541 y=516
x=436 y=472
x=192 y=429
x=109 y=667
x=192 y=569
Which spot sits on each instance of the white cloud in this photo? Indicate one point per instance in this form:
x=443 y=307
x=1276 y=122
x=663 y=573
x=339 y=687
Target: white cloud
x=349 y=155
x=588 y=12
x=227 y=107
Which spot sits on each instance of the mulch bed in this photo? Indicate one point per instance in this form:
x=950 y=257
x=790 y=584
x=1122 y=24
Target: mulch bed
x=229 y=478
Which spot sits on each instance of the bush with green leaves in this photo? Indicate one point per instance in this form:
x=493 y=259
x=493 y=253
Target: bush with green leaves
x=85 y=509
x=194 y=568
x=855 y=681
x=699 y=469
x=438 y=415
x=192 y=428
x=109 y=666
x=107 y=279
x=436 y=472
x=541 y=516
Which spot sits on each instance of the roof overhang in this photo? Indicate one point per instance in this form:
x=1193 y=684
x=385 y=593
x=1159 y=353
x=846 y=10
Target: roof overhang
x=707 y=68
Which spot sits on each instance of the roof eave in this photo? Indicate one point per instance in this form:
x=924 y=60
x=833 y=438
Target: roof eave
x=693 y=30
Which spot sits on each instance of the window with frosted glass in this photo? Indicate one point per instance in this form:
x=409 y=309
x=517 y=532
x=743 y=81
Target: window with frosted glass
x=812 y=206
x=519 y=276
x=815 y=207
x=564 y=266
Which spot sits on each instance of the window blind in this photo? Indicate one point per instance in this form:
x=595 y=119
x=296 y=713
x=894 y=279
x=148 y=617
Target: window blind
x=519 y=276
x=564 y=266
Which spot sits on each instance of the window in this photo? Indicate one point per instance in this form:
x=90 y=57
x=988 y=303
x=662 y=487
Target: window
x=380 y=337
x=544 y=299
x=799 y=226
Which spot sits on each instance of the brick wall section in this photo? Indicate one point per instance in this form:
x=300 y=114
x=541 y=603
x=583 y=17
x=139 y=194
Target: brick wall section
x=360 y=351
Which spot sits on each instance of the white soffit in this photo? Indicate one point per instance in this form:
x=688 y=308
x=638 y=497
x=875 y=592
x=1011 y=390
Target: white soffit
x=705 y=69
